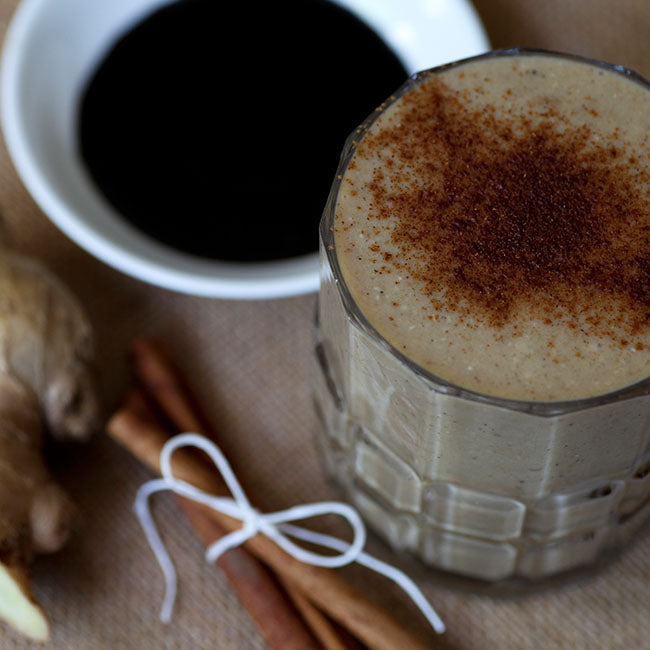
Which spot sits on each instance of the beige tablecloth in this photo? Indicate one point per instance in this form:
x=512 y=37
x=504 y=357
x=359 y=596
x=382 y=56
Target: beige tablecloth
x=251 y=362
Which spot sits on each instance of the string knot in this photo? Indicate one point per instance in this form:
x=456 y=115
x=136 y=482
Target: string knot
x=275 y=525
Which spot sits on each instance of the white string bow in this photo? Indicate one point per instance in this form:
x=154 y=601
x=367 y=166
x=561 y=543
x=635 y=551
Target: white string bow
x=273 y=525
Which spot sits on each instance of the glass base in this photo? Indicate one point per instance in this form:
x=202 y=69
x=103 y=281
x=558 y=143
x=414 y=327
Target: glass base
x=512 y=587
x=477 y=539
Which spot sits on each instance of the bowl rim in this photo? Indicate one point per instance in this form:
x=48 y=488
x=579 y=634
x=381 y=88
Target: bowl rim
x=162 y=266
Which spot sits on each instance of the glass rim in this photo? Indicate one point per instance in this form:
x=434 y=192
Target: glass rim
x=536 y=407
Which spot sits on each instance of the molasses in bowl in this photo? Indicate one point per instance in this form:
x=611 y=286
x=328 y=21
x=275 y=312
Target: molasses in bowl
x=191 y=144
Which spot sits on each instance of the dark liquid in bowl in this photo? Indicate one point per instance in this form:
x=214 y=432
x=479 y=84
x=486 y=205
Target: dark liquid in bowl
x=216 y=128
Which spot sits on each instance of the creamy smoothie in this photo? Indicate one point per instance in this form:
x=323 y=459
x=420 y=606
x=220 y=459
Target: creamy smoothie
x=485 y=303
x=494 y=226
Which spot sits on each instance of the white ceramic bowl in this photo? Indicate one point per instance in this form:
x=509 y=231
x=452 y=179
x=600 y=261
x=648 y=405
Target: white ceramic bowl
x=52 y=48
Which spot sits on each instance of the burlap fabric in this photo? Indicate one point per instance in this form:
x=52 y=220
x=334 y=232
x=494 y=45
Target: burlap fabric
x=251 y=362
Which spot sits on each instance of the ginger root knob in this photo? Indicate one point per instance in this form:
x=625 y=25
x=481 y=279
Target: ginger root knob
x=46 y=387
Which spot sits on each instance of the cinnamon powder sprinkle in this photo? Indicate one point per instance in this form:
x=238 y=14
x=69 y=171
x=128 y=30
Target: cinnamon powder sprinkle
x=505 y=214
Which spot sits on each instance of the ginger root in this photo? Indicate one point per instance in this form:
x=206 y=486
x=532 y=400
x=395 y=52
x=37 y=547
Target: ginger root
x=46 y=385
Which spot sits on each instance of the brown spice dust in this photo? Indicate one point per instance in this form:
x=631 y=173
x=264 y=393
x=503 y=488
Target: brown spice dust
x=505 y=214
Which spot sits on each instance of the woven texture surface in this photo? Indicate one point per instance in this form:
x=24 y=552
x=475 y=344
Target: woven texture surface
x=251 y=363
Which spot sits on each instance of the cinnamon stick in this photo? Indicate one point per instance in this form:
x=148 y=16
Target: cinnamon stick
x=340 y=600
x=330 y=635
x=280 y=622
x=269 y=606
x=323 y=587
x=159 y=376
x=164 y=383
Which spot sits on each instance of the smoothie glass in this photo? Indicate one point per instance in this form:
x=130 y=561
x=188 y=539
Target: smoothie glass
x=485 y=487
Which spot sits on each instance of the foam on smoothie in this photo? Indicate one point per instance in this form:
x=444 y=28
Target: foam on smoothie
x=494 y=226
